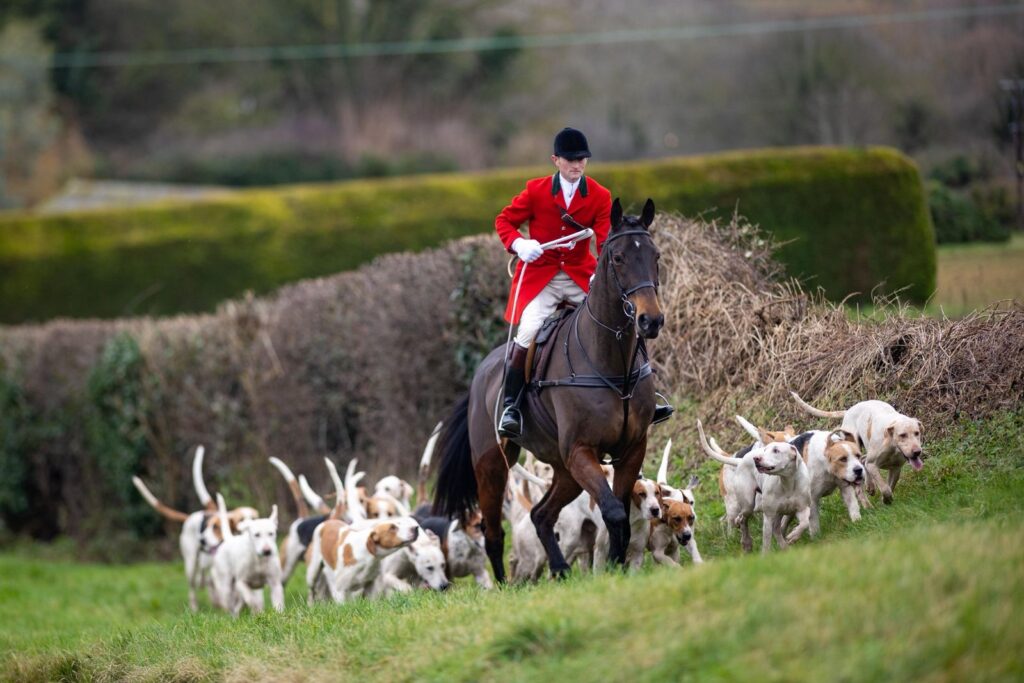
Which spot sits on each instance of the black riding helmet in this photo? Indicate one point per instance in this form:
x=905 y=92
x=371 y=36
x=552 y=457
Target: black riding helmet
x=571 y=144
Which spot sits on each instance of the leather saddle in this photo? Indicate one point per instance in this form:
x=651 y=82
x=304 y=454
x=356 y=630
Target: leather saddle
x=539 y=354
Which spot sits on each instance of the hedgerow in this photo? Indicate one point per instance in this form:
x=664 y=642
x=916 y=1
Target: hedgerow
x=850 y=220
x=363 y=364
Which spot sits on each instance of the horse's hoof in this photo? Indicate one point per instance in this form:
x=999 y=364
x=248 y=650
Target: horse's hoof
x=560 y=574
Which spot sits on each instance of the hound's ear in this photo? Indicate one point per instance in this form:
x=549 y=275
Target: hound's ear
x=431 y=535
x=406 y=489
x=273 y=515
x=765 y=437
x=920 y=427
x=848 y=436
x=790 y=430
x=242 y=525
x=616 y=213
x=890 y=430
x=837 y=436
x=647 y=216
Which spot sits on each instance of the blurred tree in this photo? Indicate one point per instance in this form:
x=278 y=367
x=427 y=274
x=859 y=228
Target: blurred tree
x=27 y=123
x=914 y=123
x=825 y=88
x=190 y=114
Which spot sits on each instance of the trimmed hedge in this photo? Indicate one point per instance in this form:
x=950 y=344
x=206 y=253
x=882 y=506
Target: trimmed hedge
x=851 y=218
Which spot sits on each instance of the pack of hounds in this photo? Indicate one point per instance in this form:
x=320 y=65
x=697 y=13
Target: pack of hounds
x=370 y=544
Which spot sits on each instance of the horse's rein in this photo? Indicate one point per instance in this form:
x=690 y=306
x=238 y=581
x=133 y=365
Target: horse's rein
x=564 y=242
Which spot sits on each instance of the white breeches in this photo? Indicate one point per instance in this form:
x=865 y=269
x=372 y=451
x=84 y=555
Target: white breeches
x=560 y=288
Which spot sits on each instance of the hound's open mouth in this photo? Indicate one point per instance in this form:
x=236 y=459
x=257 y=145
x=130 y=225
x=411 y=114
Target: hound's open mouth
x=764 y=469
x=915 y=462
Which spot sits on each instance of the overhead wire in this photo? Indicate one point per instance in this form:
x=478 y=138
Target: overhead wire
x=220 y=55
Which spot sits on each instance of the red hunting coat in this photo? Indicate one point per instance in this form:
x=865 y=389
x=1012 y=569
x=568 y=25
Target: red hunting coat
x=539 y=204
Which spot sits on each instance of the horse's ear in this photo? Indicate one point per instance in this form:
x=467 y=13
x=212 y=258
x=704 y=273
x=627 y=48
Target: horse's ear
x=647 y=217
x=616 y=213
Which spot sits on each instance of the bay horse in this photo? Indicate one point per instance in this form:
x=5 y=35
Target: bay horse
x=596 y=398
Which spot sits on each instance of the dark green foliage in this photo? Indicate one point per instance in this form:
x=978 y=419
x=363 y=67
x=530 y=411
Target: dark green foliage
x=851 y=219
x=958 y=219
x=960 y=171
x=477 y=323
x=15 y=425
x=997 y=202
x=117 y=425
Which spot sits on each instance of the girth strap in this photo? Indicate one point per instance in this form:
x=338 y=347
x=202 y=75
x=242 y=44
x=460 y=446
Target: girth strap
x=596 y=381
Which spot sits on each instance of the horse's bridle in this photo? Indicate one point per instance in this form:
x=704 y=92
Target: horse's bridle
x=630 y=310
x=627 y=306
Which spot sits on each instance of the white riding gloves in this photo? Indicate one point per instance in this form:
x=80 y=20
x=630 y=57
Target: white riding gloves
x=526 y=249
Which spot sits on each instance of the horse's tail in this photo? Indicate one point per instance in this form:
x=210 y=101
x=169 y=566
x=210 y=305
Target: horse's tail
x=455 y=492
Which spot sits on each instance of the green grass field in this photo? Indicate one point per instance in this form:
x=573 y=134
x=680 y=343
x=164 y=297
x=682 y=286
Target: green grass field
x=973 y=276
x=929 y=588
x=970 y=277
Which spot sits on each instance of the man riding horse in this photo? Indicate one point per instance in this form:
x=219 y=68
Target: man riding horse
x=555 y=206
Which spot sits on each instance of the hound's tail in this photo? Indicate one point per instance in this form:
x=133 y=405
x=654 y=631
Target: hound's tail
x=663 y=469
x=428 y=454
x=716 y=454
x=456 y=492
x=817 y=412
x=197 y=480
x=293 y=485
x=169 y=513
x=760 y=436
x=531 y=477
x=311 y=496
x=355 y=506
x=222 y=513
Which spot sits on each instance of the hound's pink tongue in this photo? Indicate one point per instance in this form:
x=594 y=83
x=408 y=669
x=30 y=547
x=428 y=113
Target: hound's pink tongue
x=916 y=463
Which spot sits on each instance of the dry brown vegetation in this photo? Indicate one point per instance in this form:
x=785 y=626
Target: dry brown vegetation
x=740 y=338
x=364 y=363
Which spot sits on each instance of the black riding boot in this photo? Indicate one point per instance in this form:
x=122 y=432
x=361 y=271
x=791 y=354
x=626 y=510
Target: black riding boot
x=511 y=424
x=662 y=411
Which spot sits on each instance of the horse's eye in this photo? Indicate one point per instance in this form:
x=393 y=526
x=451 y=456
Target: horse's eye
x=617 y=259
